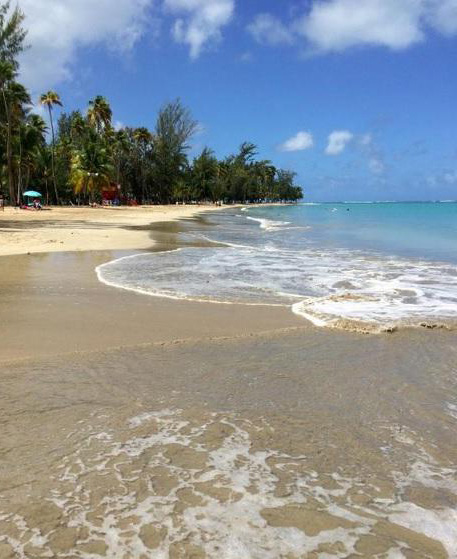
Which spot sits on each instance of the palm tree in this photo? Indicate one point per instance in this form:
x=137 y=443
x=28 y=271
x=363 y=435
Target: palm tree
x=7 y=74
x=50 y=99
x=91 y=167
x=32 y=133
x=17 y=100
x=99 y=113
x=44 y=167
x=120 y=146
x=77 y=126
x=143 y=139
x=142 y=135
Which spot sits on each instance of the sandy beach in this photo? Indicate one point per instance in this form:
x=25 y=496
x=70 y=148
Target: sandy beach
x=228 y=279
x=60 y=229
x=142 y=427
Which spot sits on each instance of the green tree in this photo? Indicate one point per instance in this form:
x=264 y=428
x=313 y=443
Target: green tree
x=17 y=100
x=32 y=134
x=12 y=34
x=174 y=128
x=51 y=99
x=99 y=113
x=7 y=75
x=91 y=167
x=143 y=150
x=205 y=175
x=43 y=169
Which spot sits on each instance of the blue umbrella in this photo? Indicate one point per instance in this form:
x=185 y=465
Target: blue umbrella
x=32 y=194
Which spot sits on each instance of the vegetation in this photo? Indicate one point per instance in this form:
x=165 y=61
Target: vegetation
x=86 y=156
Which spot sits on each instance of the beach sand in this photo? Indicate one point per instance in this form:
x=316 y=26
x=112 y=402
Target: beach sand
x=53 y=303
x=139 y=427
x=82 y=228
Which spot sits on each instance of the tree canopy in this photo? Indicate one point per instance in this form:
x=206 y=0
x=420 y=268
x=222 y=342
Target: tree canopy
x=84 y=154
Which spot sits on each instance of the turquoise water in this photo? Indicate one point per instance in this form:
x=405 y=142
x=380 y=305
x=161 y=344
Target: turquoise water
x=369 y=267
x=417 y=229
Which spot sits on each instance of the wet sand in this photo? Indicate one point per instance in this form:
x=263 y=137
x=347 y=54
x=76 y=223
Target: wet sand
x=139 y=427
x=53 y=303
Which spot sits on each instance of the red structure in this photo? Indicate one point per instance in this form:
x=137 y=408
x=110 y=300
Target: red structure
x=111 y=193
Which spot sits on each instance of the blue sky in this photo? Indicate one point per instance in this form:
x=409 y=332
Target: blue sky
x=358 y=97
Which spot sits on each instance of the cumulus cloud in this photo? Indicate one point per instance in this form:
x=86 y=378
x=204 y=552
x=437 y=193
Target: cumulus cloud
x=301 y=141
x=269 y=30
x=336 y=25
x=443 y=16
x=337 y=141
x=339 y=24
x=58 y=28
x=199 y=22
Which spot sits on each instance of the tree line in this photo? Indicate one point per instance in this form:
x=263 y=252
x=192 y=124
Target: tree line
x=86 y=155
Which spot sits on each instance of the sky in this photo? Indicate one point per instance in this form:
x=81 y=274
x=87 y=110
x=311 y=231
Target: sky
x=359 y=97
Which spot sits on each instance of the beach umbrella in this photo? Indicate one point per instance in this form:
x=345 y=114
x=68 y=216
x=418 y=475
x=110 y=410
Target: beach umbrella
x=32 y=194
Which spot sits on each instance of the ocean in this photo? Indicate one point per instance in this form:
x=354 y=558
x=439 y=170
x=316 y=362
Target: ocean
x=356 y=266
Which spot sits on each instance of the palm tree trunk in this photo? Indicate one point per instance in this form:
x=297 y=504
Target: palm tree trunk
x=27 y=180
x=52 y=155
x=47 y=191
x=9 y=154
x=19 y=181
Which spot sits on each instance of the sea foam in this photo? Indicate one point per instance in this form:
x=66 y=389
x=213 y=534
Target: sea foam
x=339 y=288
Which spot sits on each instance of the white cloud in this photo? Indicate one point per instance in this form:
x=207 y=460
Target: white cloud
x=58 y=28
x=443 y=16
x=247 y=56
x=366 y=140
x=336 y=25
x=376 y=165
x=269 y=30
x=450 y=177
x=339 y=24
x=374 y=155
x=442 y=178
x=337 y=141
x=199 y=21
x=299 y=142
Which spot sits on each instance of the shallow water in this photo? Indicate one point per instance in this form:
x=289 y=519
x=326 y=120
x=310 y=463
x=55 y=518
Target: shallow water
x=281 y=446
x=375 y=267
x=307 y=442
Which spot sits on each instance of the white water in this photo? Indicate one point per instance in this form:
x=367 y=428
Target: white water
x=325 y=287
x=233 y=526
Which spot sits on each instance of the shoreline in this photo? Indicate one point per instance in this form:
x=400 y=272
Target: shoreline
x=53 y=303
x=66 y=312
x=81 y=229
x=137 y=425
